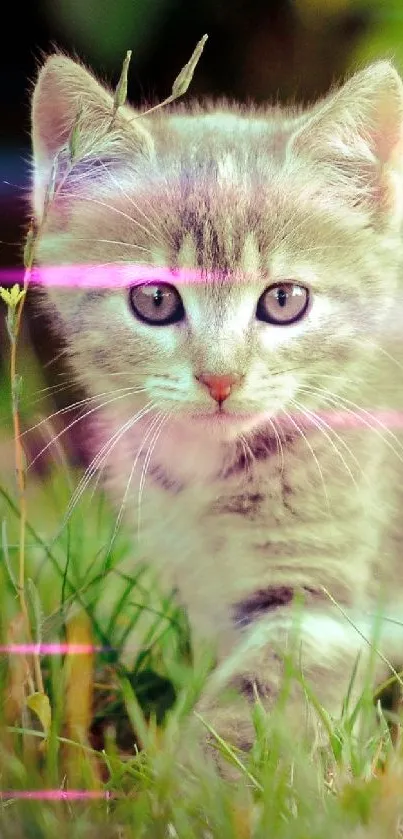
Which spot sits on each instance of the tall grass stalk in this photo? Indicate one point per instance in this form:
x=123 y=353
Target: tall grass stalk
x=14 y=299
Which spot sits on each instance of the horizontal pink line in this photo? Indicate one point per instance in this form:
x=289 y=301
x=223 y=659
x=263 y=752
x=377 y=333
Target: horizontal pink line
x=115 y=275
x=377 y=420
x=50 y=649
x=57 y=794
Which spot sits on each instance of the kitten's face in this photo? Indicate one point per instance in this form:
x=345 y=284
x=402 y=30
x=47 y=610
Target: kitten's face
x=258 y=269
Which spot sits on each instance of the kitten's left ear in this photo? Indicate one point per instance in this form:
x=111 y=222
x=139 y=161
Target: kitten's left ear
x=357 y=133
x=67 y=95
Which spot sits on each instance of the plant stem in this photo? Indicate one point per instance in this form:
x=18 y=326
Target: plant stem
x=20 y=476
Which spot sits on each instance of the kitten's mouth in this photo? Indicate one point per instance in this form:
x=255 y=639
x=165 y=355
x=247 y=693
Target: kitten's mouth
x=228 y=424
x=224 y=416
x=220 y=415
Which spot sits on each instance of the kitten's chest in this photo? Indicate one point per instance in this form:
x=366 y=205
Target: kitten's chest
x=285 y=521
x=218 y=543
x=204 y=542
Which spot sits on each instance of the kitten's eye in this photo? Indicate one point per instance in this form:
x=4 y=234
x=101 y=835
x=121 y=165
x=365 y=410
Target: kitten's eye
x=156 y=303
x=283 y=303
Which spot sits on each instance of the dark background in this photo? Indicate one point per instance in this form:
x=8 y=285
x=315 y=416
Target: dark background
x=258 y=50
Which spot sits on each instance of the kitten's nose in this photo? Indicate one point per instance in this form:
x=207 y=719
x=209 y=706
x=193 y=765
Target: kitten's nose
x=219 y=386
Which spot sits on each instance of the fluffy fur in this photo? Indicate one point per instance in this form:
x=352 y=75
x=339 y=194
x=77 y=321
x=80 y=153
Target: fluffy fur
x=296 y=489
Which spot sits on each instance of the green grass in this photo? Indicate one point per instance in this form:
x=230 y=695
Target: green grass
x=141 y=753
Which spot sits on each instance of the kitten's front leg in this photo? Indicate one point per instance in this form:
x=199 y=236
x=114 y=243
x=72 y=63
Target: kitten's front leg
x=321 y=646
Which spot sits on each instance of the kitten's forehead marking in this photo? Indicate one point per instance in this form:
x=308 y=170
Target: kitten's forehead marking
x=249 y=265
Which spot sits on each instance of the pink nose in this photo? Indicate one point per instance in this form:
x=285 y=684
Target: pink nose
x=219 y=386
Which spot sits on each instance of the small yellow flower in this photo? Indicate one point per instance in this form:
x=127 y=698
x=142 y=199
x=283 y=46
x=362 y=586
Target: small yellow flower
x=12 y=296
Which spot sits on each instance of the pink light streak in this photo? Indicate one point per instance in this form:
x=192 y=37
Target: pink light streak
x=57 y=794
x=106 y=276
x=110 y=276
x=372 y=419
x=50 y=649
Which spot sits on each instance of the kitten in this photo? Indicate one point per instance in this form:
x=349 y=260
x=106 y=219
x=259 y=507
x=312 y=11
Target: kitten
x=249 y=287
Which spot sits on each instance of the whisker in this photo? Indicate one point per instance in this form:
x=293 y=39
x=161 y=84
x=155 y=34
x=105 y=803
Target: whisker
x=116 y=210
x=280 y=451
x=320 y=424
x=313 y=453
x=146 y=464
x=111 y=242
x=138 y=209
x=342 y=402
x=103 y=453
x=128 y=392
x=52 y=390
x=384 y=352
x=338 y=437
x=89 y=267
x=100 y=458
x=70 y=407
x=56 y=358
x=119 y=517
x=247 y=450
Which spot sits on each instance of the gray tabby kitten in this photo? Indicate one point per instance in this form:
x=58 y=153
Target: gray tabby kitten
x=256 y=451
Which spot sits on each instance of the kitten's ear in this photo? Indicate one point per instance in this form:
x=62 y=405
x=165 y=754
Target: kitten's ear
x=66 y=94
x=357 y=132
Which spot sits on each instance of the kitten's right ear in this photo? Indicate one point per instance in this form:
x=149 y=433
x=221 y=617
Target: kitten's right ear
x=64 y=91
x=356 y=133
